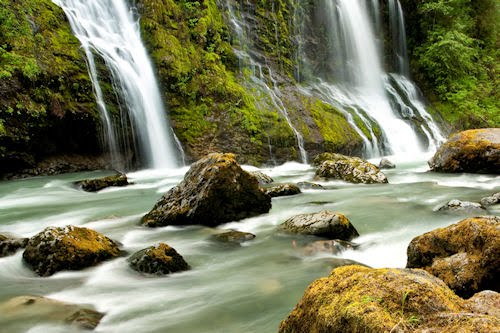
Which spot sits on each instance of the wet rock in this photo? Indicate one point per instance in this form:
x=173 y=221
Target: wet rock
x=350 y=169
x=94 y=185
x=233 y=236
x=360 y=299
x=214 y=191
x=9 y=245
x=262 y=177
x=160 y=260
x=465 y=255
x=68 y=248
x=309 y=186
x=333 y=246
x=32 y=310
x=325 y=224
x=386 y=164
x=319 y=159
x=283 y=190
x=466 y=207
x=476 y=151
x=491 y=200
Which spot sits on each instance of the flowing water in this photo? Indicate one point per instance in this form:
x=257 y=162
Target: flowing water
x=110 y=30
x=233 y=289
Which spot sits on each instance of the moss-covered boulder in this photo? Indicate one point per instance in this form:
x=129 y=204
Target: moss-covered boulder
x=215 y=190
x=282 y=190
x=94 y=185
x=27 y=311
x=351 y=169
x=325 y=224
x=476 y=151
x=463 y=207
x=67 y=248
x=485 y=302
x=10 y=245
x=233 y=237
x=465 y=255
x=160 y=259
x=360 y=299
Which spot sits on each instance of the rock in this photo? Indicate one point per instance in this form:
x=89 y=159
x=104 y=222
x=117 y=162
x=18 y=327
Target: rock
x=325 y=224
x=360 y=299
x=262 y=177
x=386 y=164
x=160 y=260
x=351 y=169
x=485 y=302
x=319 y=159
x=491 y=200
x=10 y=245
x=333 y=246
x=309 y=186
x=465 y=255
x=31 y=310
x=283 y=190
x=476 y=151
x=215 y=190
x=466 y=207
x=94 y=185
x=69 y=248
x=233 y=236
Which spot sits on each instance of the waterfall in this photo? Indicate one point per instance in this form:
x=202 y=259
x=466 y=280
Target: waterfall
x=107 y=28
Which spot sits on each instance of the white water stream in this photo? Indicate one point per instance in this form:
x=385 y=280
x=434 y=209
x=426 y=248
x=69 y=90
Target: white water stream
x=108 y=29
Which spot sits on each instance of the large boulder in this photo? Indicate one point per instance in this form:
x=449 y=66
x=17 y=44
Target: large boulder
x=26 y=311
x=160 y=259
x=282 y=190
x=466 y=255
x=10 y=245
x=360 y=299
x=475 y=151
x=97 y=184
x=325 y=224
x=69 y=248
x=215 y=190
x=351 y=169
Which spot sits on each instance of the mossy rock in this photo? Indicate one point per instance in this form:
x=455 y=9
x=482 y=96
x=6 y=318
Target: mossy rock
x=283 y=190
x=67 y=248
x=350 y=169
x=325 y=224
x=476 y=151
x=360 y=299
x=94 y=185
x=319 y=159
x=9 y=245
x=215 y=190
x=465 y=255
x=29 y=311
x=160 y=259
x=262 y=177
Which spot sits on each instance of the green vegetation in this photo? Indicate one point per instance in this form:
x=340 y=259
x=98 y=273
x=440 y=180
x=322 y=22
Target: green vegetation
x=456 y=58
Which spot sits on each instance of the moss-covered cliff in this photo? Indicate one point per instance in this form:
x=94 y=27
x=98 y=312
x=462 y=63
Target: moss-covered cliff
x=46 y=101
x=455 y=57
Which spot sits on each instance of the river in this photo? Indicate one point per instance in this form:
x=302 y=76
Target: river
x=248 y=288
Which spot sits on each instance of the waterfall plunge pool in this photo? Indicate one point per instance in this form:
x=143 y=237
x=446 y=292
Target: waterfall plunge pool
x=229 y=289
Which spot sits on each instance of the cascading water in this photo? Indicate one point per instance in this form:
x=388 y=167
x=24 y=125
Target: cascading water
x=108 y=28
x=356 y=83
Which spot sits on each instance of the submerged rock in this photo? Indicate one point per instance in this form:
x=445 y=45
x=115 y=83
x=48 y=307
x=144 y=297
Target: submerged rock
x=262 y=177
x=9 y=245
x=325 y=224
x=466 y=207
x=360 y=299
x=386 y=164
x=68 y=248
x=491 y=200
x=333 y=246
x=94 y=185
x=476 y=151
x=309 y=186
x=32 y=310
x=233 y=236
x=215 y=190
x=283 y=190
x=160 y=260
x=466 y=255
x=351 y=169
